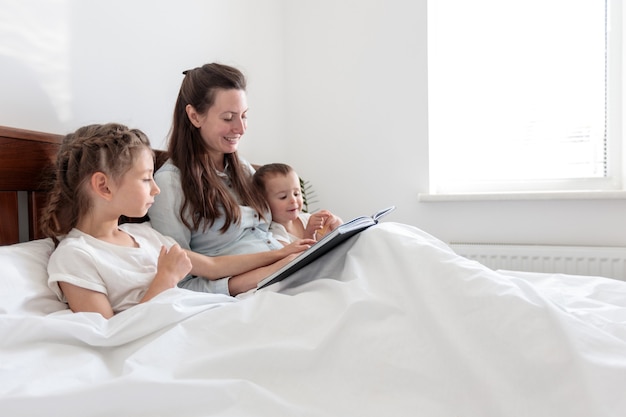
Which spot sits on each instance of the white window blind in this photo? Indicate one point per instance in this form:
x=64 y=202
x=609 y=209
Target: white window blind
x=522 y=95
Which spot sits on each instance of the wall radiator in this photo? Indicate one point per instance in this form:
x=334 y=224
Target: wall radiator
x=575 y=260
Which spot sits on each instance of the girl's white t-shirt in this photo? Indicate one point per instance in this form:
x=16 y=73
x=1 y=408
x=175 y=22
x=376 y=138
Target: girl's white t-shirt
x=122 y=273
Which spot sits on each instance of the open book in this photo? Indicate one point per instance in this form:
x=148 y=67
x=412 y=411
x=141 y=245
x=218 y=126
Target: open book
x=325 y=244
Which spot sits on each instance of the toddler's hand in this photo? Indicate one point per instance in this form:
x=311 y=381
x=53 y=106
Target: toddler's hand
x=322 y=222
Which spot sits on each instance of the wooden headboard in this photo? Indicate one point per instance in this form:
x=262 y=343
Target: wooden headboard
x=26 y=157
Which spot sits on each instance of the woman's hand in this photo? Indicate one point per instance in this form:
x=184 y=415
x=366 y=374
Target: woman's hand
x=298 y=246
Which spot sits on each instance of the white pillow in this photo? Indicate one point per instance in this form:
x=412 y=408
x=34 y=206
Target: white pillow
x=24 y=279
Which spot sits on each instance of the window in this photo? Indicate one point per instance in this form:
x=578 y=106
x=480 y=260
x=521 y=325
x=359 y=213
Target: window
x=524 y=95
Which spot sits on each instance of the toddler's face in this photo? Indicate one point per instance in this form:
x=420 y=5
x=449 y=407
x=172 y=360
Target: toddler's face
x=284 y=196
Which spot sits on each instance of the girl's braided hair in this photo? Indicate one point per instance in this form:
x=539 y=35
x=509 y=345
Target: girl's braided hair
x=108 y=148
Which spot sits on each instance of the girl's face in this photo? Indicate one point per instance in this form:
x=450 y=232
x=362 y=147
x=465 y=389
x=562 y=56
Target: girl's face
x=223 y=125
x=136 y=189
x=284 y=196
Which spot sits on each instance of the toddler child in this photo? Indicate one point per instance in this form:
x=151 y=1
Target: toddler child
x=280 y=185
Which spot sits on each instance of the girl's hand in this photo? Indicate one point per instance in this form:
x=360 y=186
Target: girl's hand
x=173 y=264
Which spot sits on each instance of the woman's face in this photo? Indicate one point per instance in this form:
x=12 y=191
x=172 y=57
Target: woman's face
x=223 y=125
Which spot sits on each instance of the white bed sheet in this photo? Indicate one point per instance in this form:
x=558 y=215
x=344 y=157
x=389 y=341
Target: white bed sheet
x=400 y=326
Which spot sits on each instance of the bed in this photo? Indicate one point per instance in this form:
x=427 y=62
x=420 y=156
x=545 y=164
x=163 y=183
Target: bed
x=393 y=323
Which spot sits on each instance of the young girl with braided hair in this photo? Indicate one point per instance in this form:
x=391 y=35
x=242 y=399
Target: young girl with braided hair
x=104 y=172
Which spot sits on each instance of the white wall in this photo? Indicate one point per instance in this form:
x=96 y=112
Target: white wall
x=66 y=63
x=336 y=88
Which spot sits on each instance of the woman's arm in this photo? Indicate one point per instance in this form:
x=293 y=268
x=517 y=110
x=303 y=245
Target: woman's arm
x=244 y=282
x=215 y=267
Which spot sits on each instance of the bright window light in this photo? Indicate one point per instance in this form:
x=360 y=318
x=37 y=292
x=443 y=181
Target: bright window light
x=518 y=95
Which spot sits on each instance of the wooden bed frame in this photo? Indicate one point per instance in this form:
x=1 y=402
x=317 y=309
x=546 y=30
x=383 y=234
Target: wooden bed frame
x=26 y=158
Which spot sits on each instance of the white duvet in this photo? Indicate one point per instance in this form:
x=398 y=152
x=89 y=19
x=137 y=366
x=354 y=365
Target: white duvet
x=399 y=326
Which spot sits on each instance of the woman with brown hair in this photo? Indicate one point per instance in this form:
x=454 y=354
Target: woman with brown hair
x=207 y=201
